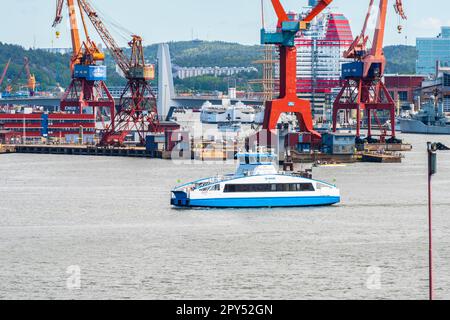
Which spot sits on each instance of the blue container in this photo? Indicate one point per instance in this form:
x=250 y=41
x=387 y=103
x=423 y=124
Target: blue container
x=90 y=73
x=44 y=125
x=150 y=144
x=304 y=147
x=150 y=139
x=352 y=70
x=151 y=147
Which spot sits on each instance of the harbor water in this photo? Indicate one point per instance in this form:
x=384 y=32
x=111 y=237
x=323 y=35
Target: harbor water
x=74 y=227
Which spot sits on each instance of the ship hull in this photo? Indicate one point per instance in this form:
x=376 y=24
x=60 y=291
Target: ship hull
x=415 y=126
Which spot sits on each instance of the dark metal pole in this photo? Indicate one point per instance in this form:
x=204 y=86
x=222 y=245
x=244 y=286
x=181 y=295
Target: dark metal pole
x=432 y=148
x=430 y=233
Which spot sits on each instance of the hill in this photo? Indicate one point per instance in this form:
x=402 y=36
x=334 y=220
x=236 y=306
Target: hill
x=199 y=53
x=51 y=68
x=401 y=59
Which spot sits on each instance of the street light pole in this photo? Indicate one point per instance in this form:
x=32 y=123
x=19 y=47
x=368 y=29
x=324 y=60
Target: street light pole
x=431 y=155
x=432 y=148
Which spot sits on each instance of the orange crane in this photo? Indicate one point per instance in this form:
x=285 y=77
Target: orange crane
x=31 y=80
x=284 y=38
x=5 y=70
x=137 y=109
x=363 y=86
x=87 y=88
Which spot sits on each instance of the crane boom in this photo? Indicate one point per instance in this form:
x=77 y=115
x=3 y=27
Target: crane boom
x=399 y=9
x=114 y=48
x=378 y=39
x=5 y=70
x=283 y=16
x=322 y=5
x=74 y=30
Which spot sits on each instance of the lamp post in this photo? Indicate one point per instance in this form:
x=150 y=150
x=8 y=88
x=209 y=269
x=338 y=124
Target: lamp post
x=432 y=148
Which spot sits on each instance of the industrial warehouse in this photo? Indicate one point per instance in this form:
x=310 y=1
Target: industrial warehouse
x=276 y=162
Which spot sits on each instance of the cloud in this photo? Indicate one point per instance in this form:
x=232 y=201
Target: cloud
x=432 y=23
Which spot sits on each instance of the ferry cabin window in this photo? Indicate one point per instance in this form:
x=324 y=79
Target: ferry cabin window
x=273 y=187
x=215 y=187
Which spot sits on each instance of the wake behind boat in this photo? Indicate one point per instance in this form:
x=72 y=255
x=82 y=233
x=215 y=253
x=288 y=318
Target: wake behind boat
x=256 y=183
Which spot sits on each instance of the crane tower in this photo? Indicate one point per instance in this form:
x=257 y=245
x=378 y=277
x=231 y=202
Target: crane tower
x=284 y=38
x=364 y=89
x=87 y=88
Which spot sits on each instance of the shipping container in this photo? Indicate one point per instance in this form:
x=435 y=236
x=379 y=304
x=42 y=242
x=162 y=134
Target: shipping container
x=90 y=73
x=352 y=70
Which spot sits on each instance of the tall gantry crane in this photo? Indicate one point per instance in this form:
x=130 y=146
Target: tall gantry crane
x=363 y=87
x=137 y=110
x=284 y=38
x=87 y=88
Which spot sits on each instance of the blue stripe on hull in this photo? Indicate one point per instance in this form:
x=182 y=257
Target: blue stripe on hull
x=263 y=202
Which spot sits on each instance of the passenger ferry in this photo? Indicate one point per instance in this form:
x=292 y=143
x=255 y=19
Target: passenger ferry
x=256 y=183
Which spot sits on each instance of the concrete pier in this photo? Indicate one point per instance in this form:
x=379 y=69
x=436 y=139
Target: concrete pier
x=7 y=149
x=136 y=152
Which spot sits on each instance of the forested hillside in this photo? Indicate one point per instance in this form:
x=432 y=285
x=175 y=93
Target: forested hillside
x=401 y=59
x=51 y=69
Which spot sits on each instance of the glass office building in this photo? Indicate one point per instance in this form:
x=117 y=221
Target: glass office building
x=431 y=50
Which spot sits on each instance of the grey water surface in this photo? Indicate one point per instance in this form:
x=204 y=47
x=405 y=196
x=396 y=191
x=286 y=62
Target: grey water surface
x=74 y=227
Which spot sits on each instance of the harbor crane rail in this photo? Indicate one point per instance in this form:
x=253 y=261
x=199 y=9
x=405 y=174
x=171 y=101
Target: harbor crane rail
x=363 y=87
x=137 y=110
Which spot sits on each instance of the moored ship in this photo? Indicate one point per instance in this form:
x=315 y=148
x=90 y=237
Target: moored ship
x=431 y=119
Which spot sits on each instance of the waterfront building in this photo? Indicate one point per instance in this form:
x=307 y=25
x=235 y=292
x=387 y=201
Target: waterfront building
x=320 y=58
x=433 y=50
x=402 y=89
x=438 y=85
x=35 y=126
x=184 y=72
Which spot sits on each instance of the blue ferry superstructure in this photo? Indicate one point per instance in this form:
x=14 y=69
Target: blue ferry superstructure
x=256 y=183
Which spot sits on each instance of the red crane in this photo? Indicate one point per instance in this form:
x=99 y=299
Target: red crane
x=284 y=37
x=363 y=86
x=5 y=70
x=87 y=88
x=137 y=110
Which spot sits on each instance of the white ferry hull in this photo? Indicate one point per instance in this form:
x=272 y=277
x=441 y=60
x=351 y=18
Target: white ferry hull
x=256 y=202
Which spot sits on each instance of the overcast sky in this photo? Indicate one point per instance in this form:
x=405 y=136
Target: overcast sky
x=28 y=22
